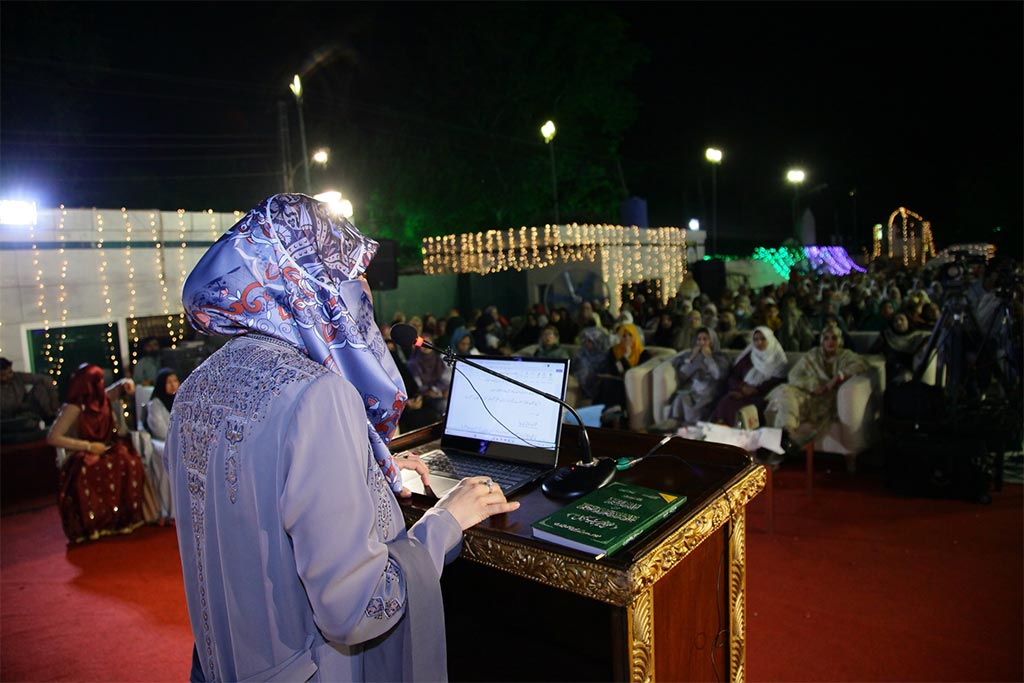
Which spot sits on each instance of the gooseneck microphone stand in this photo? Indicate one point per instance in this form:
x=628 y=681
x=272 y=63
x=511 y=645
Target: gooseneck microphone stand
x=569 y=481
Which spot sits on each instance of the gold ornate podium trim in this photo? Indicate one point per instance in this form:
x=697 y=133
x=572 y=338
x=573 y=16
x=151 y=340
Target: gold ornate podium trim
x=633 y=589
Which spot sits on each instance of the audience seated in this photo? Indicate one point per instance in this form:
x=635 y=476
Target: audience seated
x=686 y=335
x=549 y=346
x=702 y=373
x=432 y=376
x=28 y=402
x=103 y=484
x=591 y=360
x=418 y=413
x=757 y=371
x=900 y=345
x=665 y=329
x=148 y=363
x=809 y=394
x=628 y=353
x=528 y=332
x=157 y=417
x=795 y=332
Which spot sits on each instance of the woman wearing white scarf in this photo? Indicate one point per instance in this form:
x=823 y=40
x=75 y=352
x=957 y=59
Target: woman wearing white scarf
x=759 y=369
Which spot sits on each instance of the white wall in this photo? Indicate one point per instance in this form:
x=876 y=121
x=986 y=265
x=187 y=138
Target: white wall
x=96 y=265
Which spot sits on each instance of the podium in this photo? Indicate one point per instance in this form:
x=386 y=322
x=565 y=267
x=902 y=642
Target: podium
x=670 y=606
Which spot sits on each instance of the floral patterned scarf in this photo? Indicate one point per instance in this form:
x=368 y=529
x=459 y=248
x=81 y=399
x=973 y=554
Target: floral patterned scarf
x=291 y=271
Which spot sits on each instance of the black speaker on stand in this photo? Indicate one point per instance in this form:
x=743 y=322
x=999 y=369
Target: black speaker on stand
x=382 y=274
x=710 y=277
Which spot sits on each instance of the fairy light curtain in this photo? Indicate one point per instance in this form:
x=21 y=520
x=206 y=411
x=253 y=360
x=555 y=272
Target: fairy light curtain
x=626 y=254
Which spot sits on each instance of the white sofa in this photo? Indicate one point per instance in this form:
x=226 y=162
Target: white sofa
x=638 y=385
x=860 y=404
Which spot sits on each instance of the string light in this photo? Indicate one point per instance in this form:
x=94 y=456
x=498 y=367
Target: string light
x=62 y=295
x=182 y=275
x=133 y=322
x=626 y=254
x=915 y=242
x=105 y=282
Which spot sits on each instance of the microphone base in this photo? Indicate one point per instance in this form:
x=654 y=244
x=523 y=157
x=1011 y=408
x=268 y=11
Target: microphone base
x=572 y=481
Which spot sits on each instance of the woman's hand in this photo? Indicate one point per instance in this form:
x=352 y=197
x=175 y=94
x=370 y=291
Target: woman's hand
x=474 y=499
x=747 y=390
x=413 y=462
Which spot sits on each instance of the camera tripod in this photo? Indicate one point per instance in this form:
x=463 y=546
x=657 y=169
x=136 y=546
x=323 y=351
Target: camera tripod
x=969 y=356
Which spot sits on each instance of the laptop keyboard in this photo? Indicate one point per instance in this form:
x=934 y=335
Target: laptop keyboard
x=454 y=466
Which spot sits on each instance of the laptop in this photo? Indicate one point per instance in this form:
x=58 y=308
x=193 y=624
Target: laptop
x=494 y=428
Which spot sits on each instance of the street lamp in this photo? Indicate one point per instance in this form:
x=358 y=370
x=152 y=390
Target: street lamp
x=296 y=88
x=797 y=177
x=715 y=157
x=320 y=156
x=548 y=131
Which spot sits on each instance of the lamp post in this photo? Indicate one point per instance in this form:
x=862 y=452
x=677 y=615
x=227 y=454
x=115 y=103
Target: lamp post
x=548 y=131
x=320 y=156
x=796 y=176
x=296 y=88
x=715 y=157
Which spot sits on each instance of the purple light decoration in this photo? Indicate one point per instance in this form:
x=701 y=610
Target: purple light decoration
x=833 y=259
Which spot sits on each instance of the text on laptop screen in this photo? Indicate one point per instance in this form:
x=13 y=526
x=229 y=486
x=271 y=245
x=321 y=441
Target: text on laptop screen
x=489 y=409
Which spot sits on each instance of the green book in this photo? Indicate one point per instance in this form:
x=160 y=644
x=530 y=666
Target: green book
x=603 y=521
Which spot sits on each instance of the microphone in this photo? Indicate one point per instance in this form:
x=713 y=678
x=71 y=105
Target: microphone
x=567 y=482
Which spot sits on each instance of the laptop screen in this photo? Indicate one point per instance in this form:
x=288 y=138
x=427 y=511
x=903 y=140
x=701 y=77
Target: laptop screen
x=490 y=416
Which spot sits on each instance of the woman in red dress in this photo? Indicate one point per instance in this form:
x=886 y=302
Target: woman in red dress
x=103 y=485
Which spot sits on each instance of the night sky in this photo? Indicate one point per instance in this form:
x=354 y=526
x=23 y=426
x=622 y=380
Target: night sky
x=175 y=105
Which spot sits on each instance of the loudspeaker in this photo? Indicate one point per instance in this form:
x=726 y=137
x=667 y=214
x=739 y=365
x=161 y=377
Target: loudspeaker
x=382 y=273
x=710 y=277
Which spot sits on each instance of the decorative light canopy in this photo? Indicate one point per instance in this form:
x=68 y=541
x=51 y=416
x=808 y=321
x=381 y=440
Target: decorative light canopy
x=626 y=254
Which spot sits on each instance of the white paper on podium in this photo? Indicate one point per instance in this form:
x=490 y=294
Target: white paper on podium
x=749 y=440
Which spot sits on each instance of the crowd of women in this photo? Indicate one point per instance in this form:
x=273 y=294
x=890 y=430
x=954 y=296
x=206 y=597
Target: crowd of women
x=810 y=316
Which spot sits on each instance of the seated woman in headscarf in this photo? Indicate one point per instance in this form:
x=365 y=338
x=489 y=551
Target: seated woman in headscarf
x=759 y=369
x=528 y=333
x=730 y=336
x=486 y=337
x=795 y=332
x=701 y=374
x=900 y=345
x=158 y=409
x=549 y=345
x=432 y=376
x=810 y=392
x=158 y=416
x=591 y=360
x=664 y=333
x=628 y=353
x=686 y=333
x=464 y=344
x=103 y=484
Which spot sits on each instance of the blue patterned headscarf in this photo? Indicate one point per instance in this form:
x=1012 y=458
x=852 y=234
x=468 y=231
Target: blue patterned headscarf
x=291 y=271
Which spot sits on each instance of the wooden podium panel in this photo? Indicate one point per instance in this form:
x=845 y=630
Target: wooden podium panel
x=669 y=606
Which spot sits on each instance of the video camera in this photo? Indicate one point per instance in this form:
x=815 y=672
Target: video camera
x=956 y=275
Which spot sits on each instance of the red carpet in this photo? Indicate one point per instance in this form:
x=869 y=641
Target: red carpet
x=856 y=584
x=112 y=610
